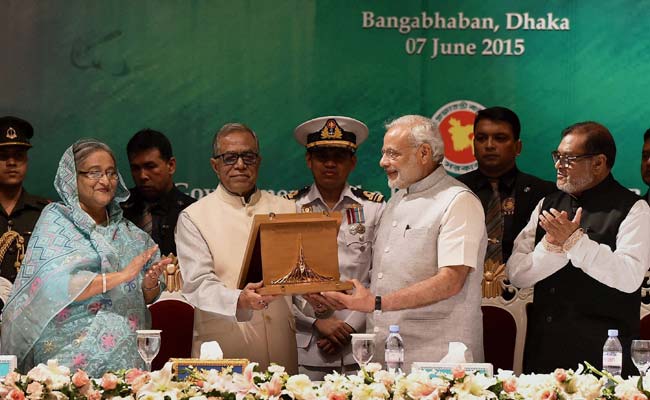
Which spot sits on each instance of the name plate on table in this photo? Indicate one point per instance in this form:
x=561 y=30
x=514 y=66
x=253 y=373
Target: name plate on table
x=293 y=254
x=440 y=368
x=7 y=365
x=181 y=366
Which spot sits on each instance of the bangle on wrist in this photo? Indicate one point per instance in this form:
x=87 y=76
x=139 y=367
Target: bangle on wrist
x=151 y=288
x=103 y=283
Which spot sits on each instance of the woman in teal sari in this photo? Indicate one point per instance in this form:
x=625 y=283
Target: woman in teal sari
x=87 y=275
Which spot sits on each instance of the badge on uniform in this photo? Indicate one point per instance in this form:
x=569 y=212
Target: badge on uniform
x=356 y=219
x=11 y=133
x=311 y=208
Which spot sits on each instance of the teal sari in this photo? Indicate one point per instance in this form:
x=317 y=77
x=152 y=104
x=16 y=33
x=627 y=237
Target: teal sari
x=66 y=252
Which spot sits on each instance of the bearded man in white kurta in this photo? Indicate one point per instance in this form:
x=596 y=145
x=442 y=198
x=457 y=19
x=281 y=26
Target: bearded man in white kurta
x=211 y=237
x=428 y=252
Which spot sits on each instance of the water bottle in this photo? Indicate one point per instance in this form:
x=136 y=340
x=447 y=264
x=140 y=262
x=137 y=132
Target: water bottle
x=394 y=354
x=613 y=353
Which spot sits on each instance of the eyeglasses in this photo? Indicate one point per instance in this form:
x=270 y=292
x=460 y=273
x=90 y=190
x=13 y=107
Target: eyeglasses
x=391 y=154
x=97 y=175
x=230 y=158
x=566 y=161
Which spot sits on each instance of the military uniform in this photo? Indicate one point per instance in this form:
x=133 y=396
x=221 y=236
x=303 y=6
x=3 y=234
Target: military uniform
x=16 y=228
x=361 y=211
x=21 y=221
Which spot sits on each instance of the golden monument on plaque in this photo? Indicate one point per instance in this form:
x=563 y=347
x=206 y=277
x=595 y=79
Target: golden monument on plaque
x=293 y=254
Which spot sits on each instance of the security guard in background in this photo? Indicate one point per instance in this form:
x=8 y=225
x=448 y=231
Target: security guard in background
x=20 y=210
x=331 y=142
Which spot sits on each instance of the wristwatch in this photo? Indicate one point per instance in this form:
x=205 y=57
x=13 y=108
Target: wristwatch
x=377 y=305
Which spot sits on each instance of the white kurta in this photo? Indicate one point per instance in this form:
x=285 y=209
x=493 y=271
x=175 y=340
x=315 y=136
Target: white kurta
x=211 y=237
x=436 y=223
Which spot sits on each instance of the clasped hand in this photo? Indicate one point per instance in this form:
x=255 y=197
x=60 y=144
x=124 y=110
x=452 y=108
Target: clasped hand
x=335 y=334
x=135 y=266
x=557 y=225
x=250 y=299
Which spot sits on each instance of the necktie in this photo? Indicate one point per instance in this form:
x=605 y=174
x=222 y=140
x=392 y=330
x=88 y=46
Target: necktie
x=494 y=269
x=494 y=225
x=146 y=222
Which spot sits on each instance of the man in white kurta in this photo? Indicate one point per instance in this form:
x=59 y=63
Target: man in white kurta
x=428 y=252
x=211 y=237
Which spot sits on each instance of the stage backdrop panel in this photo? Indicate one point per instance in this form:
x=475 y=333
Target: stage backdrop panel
x=107 y=69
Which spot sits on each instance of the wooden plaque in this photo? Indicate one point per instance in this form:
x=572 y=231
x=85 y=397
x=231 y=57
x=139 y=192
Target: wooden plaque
x=293 y=254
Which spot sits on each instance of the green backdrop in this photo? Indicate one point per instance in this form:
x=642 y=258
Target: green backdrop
x=106 y=69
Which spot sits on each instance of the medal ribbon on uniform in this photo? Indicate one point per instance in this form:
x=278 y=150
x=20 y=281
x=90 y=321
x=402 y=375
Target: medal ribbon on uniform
x=355 y=215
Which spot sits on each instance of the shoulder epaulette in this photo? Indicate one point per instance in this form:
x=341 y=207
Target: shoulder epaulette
x=372 y=196
x=296 y=194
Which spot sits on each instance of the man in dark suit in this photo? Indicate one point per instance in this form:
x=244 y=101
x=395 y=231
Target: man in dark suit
x=508 y=196
x=496 y=147
x=645 y=163
x=155 y=201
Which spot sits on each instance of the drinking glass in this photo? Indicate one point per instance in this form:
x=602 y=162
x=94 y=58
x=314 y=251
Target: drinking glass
x=641 y=355
x=148 y=345
x=363 y=348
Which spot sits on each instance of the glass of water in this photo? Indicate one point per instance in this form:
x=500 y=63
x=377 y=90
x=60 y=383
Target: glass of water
x=148 y=345
x=363 y=348
x=641 y=355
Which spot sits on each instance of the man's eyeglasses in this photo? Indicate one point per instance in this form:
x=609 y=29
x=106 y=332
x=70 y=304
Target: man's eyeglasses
x=230 y=158
x=97 y=175
x=391 y=154
x=566 y=161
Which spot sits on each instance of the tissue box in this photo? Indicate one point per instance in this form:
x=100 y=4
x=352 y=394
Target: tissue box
x=439 y=368
x=7 y=364
x=180 y=366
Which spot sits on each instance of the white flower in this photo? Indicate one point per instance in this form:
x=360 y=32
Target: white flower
x=373 y=367
x=387 y=378
x=587 y=387
x=532 y=386
x=276 y=369
x=474 y=387
x=627 y=390
x=301 y=387
x=370 y=392
x=160 y=386
x=51 y=375
x=214 y=380
x=418 y=385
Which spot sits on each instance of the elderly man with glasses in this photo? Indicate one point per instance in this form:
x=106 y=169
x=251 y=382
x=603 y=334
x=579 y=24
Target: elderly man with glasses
x=585 y=250
x=211 y=237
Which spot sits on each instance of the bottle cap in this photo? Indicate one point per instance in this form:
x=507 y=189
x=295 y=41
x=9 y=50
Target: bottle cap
x=393 y=329
x=612 y=332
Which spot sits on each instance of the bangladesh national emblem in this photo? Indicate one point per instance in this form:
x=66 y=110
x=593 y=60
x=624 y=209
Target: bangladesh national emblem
x=455 y=121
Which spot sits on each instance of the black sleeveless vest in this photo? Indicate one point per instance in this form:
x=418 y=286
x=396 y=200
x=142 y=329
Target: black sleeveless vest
x=571 y=311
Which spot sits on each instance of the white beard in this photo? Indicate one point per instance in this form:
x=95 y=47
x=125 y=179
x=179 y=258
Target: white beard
x=575 y=185
x=407 y=175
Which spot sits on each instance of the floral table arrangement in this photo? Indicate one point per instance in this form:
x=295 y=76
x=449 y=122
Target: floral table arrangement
x=53 y=381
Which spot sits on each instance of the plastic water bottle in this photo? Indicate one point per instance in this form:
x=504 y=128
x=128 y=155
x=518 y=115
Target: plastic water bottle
x=613 y=353
x=394 y=354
